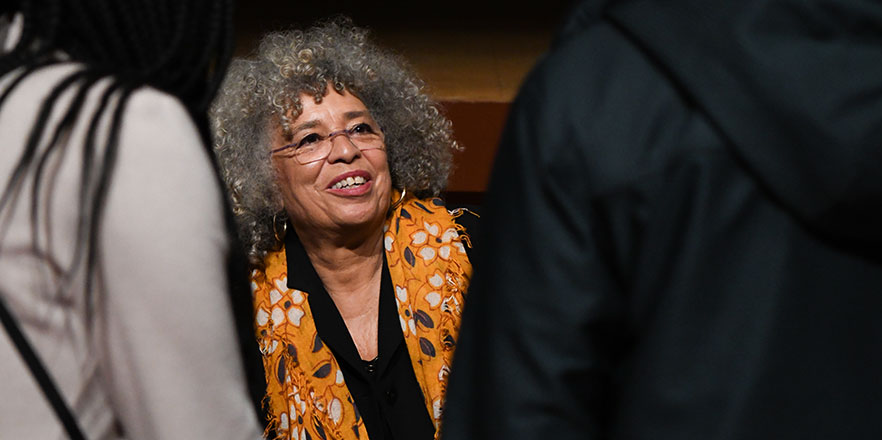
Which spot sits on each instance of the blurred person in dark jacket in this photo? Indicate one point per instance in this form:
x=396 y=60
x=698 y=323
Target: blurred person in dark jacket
x=683 y=231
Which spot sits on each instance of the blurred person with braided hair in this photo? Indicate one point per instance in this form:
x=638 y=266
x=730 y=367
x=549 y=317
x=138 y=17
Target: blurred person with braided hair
x=123 y=297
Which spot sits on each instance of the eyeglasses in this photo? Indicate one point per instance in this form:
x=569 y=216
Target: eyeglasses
x=315 y=146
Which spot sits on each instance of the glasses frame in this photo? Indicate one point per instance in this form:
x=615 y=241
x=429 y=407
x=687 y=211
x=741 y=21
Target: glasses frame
x=345 y=132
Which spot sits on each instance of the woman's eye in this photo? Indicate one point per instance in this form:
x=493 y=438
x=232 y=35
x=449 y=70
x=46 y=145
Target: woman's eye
x=309 y=139
x=363 y=128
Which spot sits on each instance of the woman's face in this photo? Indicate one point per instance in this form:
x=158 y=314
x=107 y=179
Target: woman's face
x=350 y=187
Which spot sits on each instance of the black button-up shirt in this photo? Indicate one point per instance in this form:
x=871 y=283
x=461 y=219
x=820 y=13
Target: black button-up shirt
x=389 y=399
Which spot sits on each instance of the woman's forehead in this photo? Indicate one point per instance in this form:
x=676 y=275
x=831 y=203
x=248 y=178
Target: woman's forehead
x=333 y=106
x=308 y=111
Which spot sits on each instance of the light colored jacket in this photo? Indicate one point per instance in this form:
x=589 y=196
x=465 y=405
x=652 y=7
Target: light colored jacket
x=162 y=361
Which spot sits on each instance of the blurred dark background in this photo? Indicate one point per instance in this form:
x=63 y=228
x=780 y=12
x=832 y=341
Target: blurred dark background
x=400 y=14
x=473 y=56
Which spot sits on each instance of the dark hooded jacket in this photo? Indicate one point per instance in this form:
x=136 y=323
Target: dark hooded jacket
x=683 y=231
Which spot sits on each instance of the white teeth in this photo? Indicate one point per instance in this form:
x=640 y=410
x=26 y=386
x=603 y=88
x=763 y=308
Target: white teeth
x=349 y=182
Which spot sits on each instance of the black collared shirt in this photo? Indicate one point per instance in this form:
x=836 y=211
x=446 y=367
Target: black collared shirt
x=389 y=399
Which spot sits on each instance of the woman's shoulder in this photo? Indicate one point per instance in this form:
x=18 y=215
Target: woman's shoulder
x=160 y=127
x=153 y=109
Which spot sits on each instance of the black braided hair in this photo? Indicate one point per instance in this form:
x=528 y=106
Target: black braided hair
x=181 y=47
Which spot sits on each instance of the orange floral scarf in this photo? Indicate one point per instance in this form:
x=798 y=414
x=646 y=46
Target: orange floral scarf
x=430 y=273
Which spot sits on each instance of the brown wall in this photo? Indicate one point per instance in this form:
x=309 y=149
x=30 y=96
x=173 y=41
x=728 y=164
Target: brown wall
x=476 y=126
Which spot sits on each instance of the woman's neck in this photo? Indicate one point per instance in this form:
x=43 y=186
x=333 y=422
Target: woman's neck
x=351 y=271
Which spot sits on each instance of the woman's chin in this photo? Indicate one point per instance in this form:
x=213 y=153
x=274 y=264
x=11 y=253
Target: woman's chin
x=356 y=217
x=370 y=209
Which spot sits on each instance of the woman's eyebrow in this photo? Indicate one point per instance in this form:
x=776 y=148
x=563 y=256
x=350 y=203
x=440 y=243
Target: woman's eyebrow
x=308 y=124
x=356 y=114
x=350 y=115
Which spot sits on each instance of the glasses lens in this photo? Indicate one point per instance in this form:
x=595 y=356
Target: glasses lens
x=363 y=136
x=312 y=153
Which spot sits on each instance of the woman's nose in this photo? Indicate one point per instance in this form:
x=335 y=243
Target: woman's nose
x=342 y=149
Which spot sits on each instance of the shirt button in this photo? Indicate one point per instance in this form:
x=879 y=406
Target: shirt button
x=391 y=396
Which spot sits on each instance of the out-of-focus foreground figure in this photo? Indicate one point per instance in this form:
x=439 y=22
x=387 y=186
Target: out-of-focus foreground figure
x=684 y=231
x=115 y=248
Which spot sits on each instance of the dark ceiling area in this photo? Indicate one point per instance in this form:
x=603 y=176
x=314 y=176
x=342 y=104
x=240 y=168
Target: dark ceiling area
x=465 y=49
x=265 y=15
x=472 y=54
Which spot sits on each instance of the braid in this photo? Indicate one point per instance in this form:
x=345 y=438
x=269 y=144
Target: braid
x=66 y=122
x=101 y=189
x=214 y=36
x=85 y=47
x=105 y=24
x=86 y=218
x=224 y=56
x=182 y=51
x=30 y=149
x=151 y=20
x=131 y=45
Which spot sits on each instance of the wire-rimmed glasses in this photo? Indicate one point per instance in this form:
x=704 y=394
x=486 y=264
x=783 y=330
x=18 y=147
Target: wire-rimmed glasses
x=316 y=146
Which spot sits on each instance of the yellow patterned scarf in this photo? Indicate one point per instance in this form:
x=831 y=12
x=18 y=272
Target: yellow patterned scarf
x=430 y=273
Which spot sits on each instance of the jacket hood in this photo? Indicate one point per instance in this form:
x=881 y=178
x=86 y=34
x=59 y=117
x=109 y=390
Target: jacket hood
x=795 y=87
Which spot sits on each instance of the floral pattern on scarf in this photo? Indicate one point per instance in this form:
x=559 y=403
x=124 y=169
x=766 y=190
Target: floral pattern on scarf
x=430 y=272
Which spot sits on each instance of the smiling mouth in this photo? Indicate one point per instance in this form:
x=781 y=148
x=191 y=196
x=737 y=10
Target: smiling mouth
x=349 y=182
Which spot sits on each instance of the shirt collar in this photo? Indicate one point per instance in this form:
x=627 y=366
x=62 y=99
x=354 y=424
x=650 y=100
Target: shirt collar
x=328 y=322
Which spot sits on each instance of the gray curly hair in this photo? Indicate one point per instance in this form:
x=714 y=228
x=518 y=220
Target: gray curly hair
x=263 y=92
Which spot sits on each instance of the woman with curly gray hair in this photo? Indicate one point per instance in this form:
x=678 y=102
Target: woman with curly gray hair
x=335 y=158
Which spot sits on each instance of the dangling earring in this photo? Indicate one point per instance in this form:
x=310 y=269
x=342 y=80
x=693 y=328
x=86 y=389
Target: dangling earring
x=400 y=199
x=279 y=237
